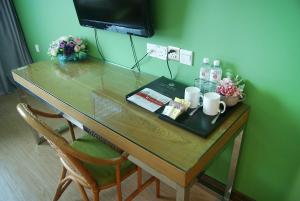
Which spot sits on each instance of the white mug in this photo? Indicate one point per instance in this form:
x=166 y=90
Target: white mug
x=211 y=103
x=192 y=94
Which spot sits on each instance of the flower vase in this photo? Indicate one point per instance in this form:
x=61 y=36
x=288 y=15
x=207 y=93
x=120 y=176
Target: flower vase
x=231 y=100
x=63 y=58
x=73 y=57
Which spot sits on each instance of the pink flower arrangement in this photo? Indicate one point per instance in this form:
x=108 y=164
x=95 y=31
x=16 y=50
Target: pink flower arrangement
x=231 y=87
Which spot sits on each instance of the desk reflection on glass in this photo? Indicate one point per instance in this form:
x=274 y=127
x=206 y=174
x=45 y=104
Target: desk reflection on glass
x=104 y=107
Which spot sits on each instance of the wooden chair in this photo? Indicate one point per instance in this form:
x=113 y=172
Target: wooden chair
x=87 y=161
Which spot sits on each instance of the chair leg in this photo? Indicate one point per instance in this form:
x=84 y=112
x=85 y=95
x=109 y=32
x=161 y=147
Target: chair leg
x=61 y=188
x=96 y=195
x=119 y=190
x=157 y=182
x=139 y=178
x=82 y=192
x=63 y=184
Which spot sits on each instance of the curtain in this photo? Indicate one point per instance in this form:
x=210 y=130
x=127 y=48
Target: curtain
x=13 y=50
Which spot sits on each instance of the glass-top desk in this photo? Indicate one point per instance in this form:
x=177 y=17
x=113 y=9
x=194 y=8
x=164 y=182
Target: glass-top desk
x=93 y=93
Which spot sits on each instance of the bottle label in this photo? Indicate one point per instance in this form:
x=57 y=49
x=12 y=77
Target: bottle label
x=204 y=74
x=215 y=75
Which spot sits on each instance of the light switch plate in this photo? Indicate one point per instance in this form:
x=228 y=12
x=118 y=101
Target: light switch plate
x=37 y=48
x=186 y=57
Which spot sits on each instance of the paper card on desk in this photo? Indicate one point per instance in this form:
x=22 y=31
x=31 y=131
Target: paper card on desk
x=149 y=99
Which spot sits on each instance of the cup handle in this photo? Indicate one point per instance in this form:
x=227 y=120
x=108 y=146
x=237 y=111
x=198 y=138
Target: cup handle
x=224 y=106
x=201 y=102
x=242 y=99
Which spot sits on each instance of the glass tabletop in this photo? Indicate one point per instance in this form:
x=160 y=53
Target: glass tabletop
x=98 y=90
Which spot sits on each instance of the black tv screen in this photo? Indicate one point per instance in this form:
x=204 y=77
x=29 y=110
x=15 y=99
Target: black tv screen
x=124 y=16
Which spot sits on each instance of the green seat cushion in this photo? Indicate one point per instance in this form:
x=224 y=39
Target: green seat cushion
x=103 y=174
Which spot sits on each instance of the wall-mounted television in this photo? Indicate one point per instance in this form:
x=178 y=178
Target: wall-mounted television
x=123 y=16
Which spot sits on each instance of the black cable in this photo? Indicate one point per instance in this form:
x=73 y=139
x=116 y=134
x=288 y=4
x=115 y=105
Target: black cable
x=138 y=62
x=134 y=53
x=171 y=51
x=98 y=45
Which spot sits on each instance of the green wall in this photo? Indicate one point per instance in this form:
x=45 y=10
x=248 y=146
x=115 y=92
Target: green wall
x=258 y=39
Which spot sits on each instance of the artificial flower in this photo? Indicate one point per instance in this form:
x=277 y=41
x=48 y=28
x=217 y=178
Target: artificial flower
x=53 y=52
x=231 y=87
x=82 y=46
x=78 y=41
x=68 y=47
x=77 y=48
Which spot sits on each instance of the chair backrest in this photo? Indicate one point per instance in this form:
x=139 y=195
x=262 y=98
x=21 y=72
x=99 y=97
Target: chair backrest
x=60 y=144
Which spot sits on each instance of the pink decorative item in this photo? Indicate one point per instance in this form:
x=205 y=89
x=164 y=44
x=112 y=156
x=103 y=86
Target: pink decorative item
x=231 y=100
x=231 y=90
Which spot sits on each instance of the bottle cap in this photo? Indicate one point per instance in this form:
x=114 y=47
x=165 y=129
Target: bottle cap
x=205 y=60
x=216 y=62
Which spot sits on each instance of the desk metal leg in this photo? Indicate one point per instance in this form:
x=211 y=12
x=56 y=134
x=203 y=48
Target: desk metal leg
x=23 y=98
x=234 y=160
x=182 y=193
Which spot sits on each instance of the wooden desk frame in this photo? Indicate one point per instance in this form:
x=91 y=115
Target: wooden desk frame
x=176 y=178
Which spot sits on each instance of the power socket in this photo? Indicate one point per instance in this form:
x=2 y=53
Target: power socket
x=151 y=49
x=157 y=51
x=175 y=55
x=161 y=52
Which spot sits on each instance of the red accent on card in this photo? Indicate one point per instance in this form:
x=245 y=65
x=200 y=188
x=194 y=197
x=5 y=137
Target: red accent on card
x=149 y=98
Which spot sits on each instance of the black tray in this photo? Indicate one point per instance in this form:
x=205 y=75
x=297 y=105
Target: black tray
x=164 y=86
x=199 y=123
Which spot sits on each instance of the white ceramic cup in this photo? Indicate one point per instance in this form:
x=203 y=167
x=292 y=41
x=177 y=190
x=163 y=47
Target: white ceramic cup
x=192 y=94
x=211 y=103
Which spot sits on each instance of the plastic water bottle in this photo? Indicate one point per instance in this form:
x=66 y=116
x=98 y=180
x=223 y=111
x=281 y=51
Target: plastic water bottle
x=204 y=76
x=215 y=75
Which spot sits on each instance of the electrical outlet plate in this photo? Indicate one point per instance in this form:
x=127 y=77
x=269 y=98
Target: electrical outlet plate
x=157 y=51
x=175 y=55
